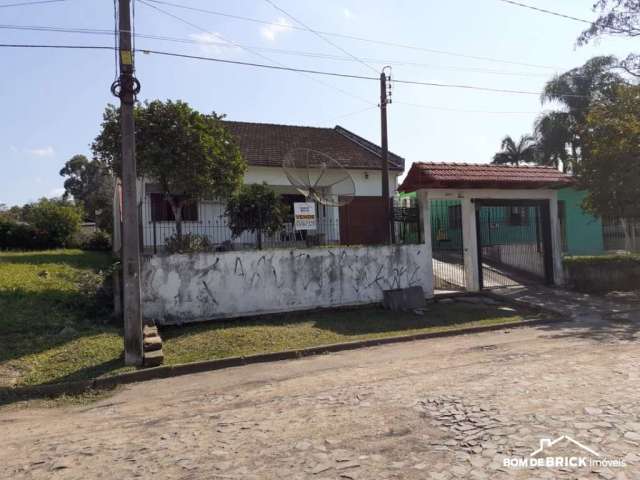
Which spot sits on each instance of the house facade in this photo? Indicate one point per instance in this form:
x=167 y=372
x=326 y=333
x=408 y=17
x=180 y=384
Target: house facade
x=264 y=147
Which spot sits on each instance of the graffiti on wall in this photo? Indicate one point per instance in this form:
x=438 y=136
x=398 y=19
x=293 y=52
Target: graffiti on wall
x=181 y=288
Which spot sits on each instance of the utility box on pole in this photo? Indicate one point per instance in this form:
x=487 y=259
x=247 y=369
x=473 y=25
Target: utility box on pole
x=126 y=88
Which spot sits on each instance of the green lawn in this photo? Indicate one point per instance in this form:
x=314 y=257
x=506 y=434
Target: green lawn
x=299 y=330
x=54 y=328
x=52 y=325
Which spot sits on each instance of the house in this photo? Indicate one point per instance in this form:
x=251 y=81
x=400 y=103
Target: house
x=581 y=232
x=489 y=225
x=264 y=147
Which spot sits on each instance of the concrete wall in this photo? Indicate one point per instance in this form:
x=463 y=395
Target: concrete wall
x=189 y=288
x=603 y=274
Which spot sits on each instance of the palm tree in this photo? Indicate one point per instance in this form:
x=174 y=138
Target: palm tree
x=513 y=153
x=554 y=133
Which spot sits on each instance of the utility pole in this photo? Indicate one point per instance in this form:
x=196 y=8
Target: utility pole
x=384 y=100
x=126 y=87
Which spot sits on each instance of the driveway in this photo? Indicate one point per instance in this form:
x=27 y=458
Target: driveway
x=442 y=408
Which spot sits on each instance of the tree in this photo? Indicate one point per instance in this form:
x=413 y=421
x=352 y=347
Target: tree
x=617 y=18
x=60 y=219
x=515 y=153
x=255 y=208
x=90 y=183
x=190 y=155
x=610 y=167
x=553 y=132
x=575 y=90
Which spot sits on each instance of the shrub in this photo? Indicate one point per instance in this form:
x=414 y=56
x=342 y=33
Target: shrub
x=98 y=240
x=19 y=235
x=60 y=220
x=187 y=243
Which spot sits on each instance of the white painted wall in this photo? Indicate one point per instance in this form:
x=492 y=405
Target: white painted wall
x=211 y=213
x=189 y=288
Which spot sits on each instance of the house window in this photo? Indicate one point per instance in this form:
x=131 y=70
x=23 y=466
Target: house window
x=455 y=216
x=518 y=216
x=161 y=210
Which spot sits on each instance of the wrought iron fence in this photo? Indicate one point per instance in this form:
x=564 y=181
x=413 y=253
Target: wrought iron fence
x=208 y=223
x=621 y=234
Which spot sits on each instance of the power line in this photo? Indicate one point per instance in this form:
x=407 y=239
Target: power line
x=290 y=69
x=186 y=40
x=197 y=27
x=27 y=4
x=461 y=110
x=322 y=37
x=548 y=12
x=354 y=37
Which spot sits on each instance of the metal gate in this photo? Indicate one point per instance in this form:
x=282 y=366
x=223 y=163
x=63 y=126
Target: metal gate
x=446 y=243
x=514 y=242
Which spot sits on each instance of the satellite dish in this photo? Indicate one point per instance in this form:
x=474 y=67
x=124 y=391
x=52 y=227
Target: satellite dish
x=319 y=177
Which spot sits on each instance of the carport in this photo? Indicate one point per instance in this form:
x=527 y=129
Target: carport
x=490 y=225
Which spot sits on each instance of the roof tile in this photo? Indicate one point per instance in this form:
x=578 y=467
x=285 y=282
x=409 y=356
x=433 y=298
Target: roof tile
x=466 y=175
x=266 y=144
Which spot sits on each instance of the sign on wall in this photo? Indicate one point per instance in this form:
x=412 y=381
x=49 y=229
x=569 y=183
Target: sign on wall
x=304 y=214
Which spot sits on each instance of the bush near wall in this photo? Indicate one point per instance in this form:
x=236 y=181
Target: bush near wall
x=603 y=273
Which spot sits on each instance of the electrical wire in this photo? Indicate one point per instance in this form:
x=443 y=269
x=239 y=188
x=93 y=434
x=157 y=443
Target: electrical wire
x=279 y=51
x=284 y=68
x=354 y=37
x=197 y=27
x=27 y=4
x=548 y=12
x=322 y=37
x=461 y=110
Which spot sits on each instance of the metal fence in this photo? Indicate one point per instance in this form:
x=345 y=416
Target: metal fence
x=621 y=234
x=208 y=223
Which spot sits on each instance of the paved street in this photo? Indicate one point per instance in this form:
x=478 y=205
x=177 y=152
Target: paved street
x=437 y=409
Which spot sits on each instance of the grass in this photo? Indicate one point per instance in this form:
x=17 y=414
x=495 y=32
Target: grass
x=211 y=340
x=53 y=324
x=612 y=259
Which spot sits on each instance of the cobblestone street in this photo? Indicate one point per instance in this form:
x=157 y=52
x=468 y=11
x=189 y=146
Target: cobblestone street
x=436 y=409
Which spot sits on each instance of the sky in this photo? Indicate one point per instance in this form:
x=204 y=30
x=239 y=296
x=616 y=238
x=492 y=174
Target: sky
x=52 y=100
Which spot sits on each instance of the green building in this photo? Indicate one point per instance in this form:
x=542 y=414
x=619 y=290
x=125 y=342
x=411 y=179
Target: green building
x=581 y=232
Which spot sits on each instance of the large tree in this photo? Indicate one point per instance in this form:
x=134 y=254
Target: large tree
x=553 y=132
x=515 y=153
x=90 y=183
x=610 y=167
x=617 y=18
x=558 y=132
x=190 y=155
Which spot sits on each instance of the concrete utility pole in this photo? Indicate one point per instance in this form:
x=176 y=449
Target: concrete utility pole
x=126 y=88
x=384 y=100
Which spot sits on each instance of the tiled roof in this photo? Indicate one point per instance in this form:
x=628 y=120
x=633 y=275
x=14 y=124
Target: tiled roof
x=466 y=175
x=266 y=144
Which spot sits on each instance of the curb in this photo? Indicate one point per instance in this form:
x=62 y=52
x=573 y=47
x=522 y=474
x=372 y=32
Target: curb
x=167 y=371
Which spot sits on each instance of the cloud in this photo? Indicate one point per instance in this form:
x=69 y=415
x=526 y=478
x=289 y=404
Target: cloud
x=347 y=13
x=47 y=151
x=270 y=32
x=213 y=43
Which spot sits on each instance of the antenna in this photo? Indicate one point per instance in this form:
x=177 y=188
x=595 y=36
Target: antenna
x=319 y=177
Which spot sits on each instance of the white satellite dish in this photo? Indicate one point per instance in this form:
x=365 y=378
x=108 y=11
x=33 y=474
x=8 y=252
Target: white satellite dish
x=319 y=177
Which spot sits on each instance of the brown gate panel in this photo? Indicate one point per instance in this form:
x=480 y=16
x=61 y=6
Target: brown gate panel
x=361 y=222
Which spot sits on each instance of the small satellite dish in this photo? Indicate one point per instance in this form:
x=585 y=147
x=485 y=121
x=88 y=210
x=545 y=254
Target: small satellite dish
x=319 y=177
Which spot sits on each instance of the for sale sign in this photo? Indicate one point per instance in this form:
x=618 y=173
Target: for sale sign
x=304 y=214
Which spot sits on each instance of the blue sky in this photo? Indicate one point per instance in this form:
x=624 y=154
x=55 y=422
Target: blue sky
x=52 y=101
